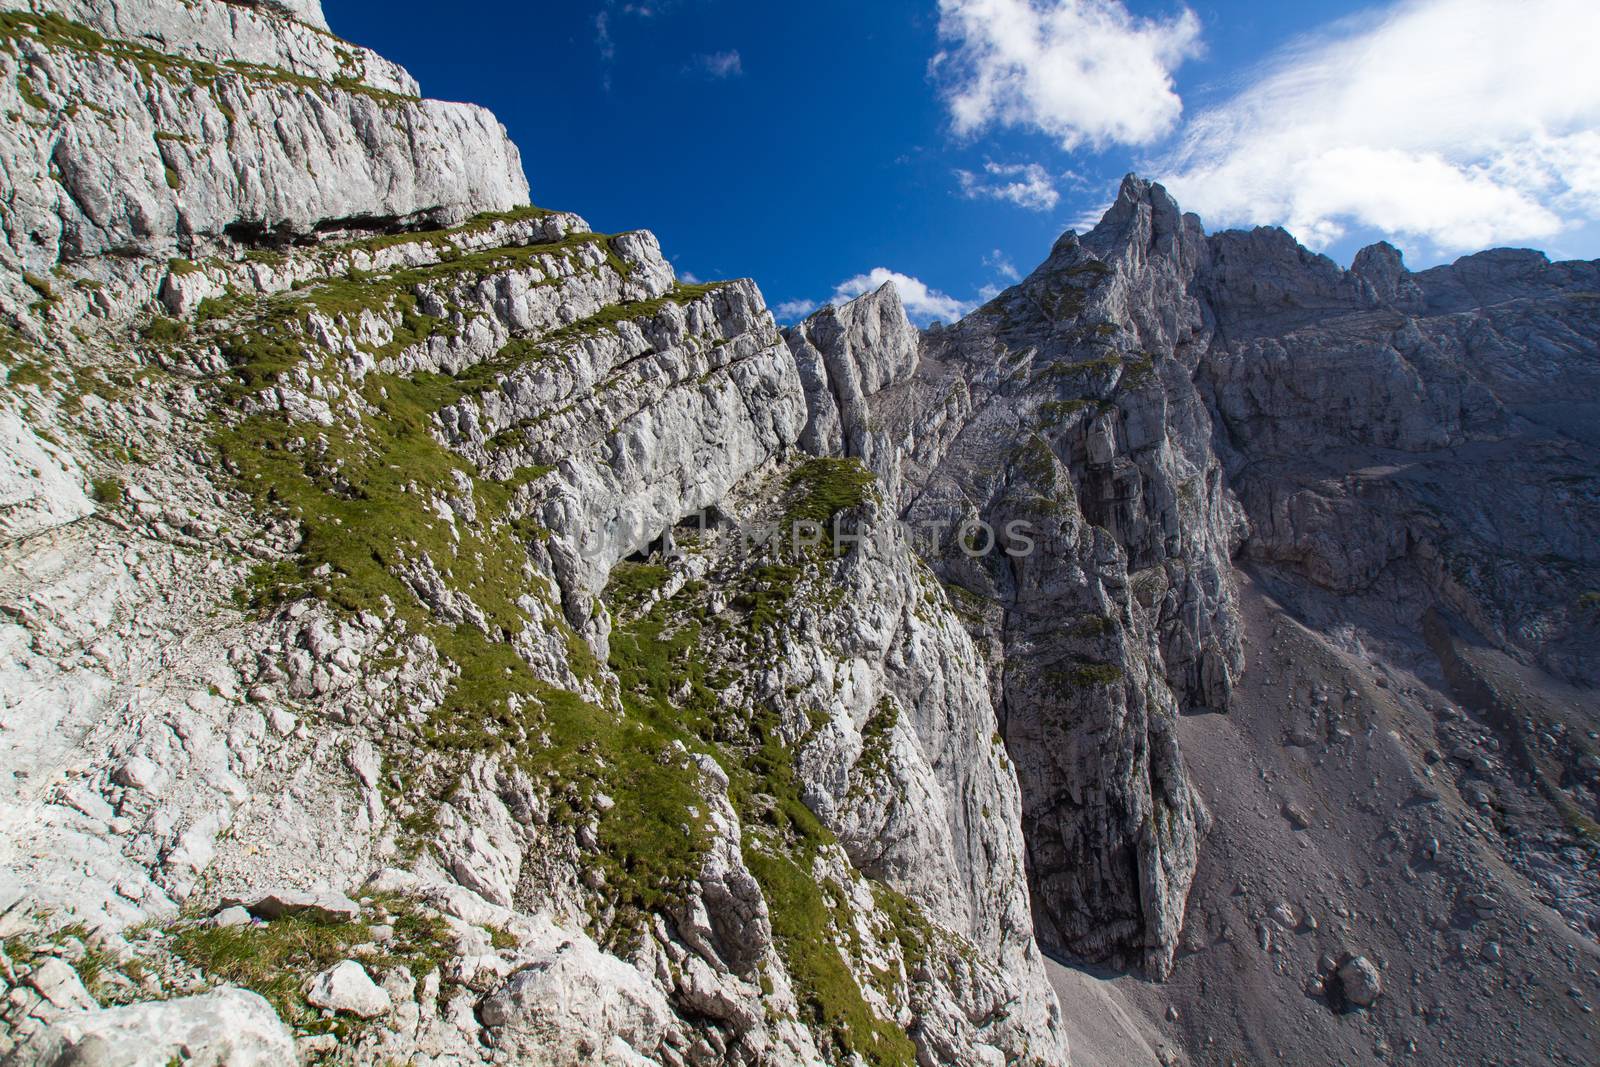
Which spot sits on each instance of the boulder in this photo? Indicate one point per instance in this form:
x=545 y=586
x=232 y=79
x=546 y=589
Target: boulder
x=1359 y=981
x=58 y=983
x=223 y=1028
x=576 y=1005
x=347 y=988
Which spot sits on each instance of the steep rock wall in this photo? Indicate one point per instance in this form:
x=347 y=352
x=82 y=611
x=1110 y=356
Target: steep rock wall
x=1066 y=409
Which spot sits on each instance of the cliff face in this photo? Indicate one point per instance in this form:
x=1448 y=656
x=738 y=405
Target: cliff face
x=1363 y=409
x=377 y=558
x=1055 y=457
x=163 y=129
x=1152 y=404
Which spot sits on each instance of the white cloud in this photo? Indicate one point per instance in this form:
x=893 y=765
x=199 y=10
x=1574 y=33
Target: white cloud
x=720 y=64
x=688 y=277
x=1001 y=264
x=1465 y=123
x=1082 y=71
x=607 y=46
x=923 y=304
x=794 y=310
x=1026 y=185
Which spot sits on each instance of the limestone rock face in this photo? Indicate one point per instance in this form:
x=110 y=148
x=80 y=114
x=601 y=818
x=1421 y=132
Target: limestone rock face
x=1356 y=438
x=41 y=487
x=577 y=1005
x=1153 y=402
x=577 y=668
x=847 y=355
x=181 y=158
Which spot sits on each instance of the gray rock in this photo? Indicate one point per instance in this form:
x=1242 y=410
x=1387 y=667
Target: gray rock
x=138 y=773
x=90 y=181
x=347 y=988
x=846 y=355
x=1359 y=981
x=41 y=486
x=58 y=983
x=575 y=1004
x=223 y=1028
x=1064 y=404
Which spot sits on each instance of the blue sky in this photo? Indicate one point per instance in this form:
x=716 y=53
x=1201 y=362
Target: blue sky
x=822 y=146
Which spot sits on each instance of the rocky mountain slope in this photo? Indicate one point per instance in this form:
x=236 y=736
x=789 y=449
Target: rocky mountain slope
x=352 y=662
x=433 y=633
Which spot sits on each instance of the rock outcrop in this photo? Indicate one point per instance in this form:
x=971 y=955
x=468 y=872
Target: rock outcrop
x=167 y=129
x=226 y=1028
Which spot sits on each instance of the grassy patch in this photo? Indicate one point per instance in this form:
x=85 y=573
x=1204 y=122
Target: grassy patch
x=1085 y=674
x=669 y=683
x=1090 y=268
x=92 y=962
x=276 y=960
x=164 y=331
x=876 y=736
x=631 y=585
x=30 y=95
x=1093 y=626
x=108 y=491
x=479 y=224
x=279 y=959
x=804 y=925
x=40 y=286
x=270 y=584
x=54 y=31
x=31 y=373
x=820 y=489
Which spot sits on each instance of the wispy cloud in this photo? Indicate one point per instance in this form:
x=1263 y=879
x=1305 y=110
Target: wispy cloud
x=1001 y=264
x=1027 y=185
x=719 y=65
x=794 y=310
x=1081 y=71
x=1466 y=123
x=607 y=46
